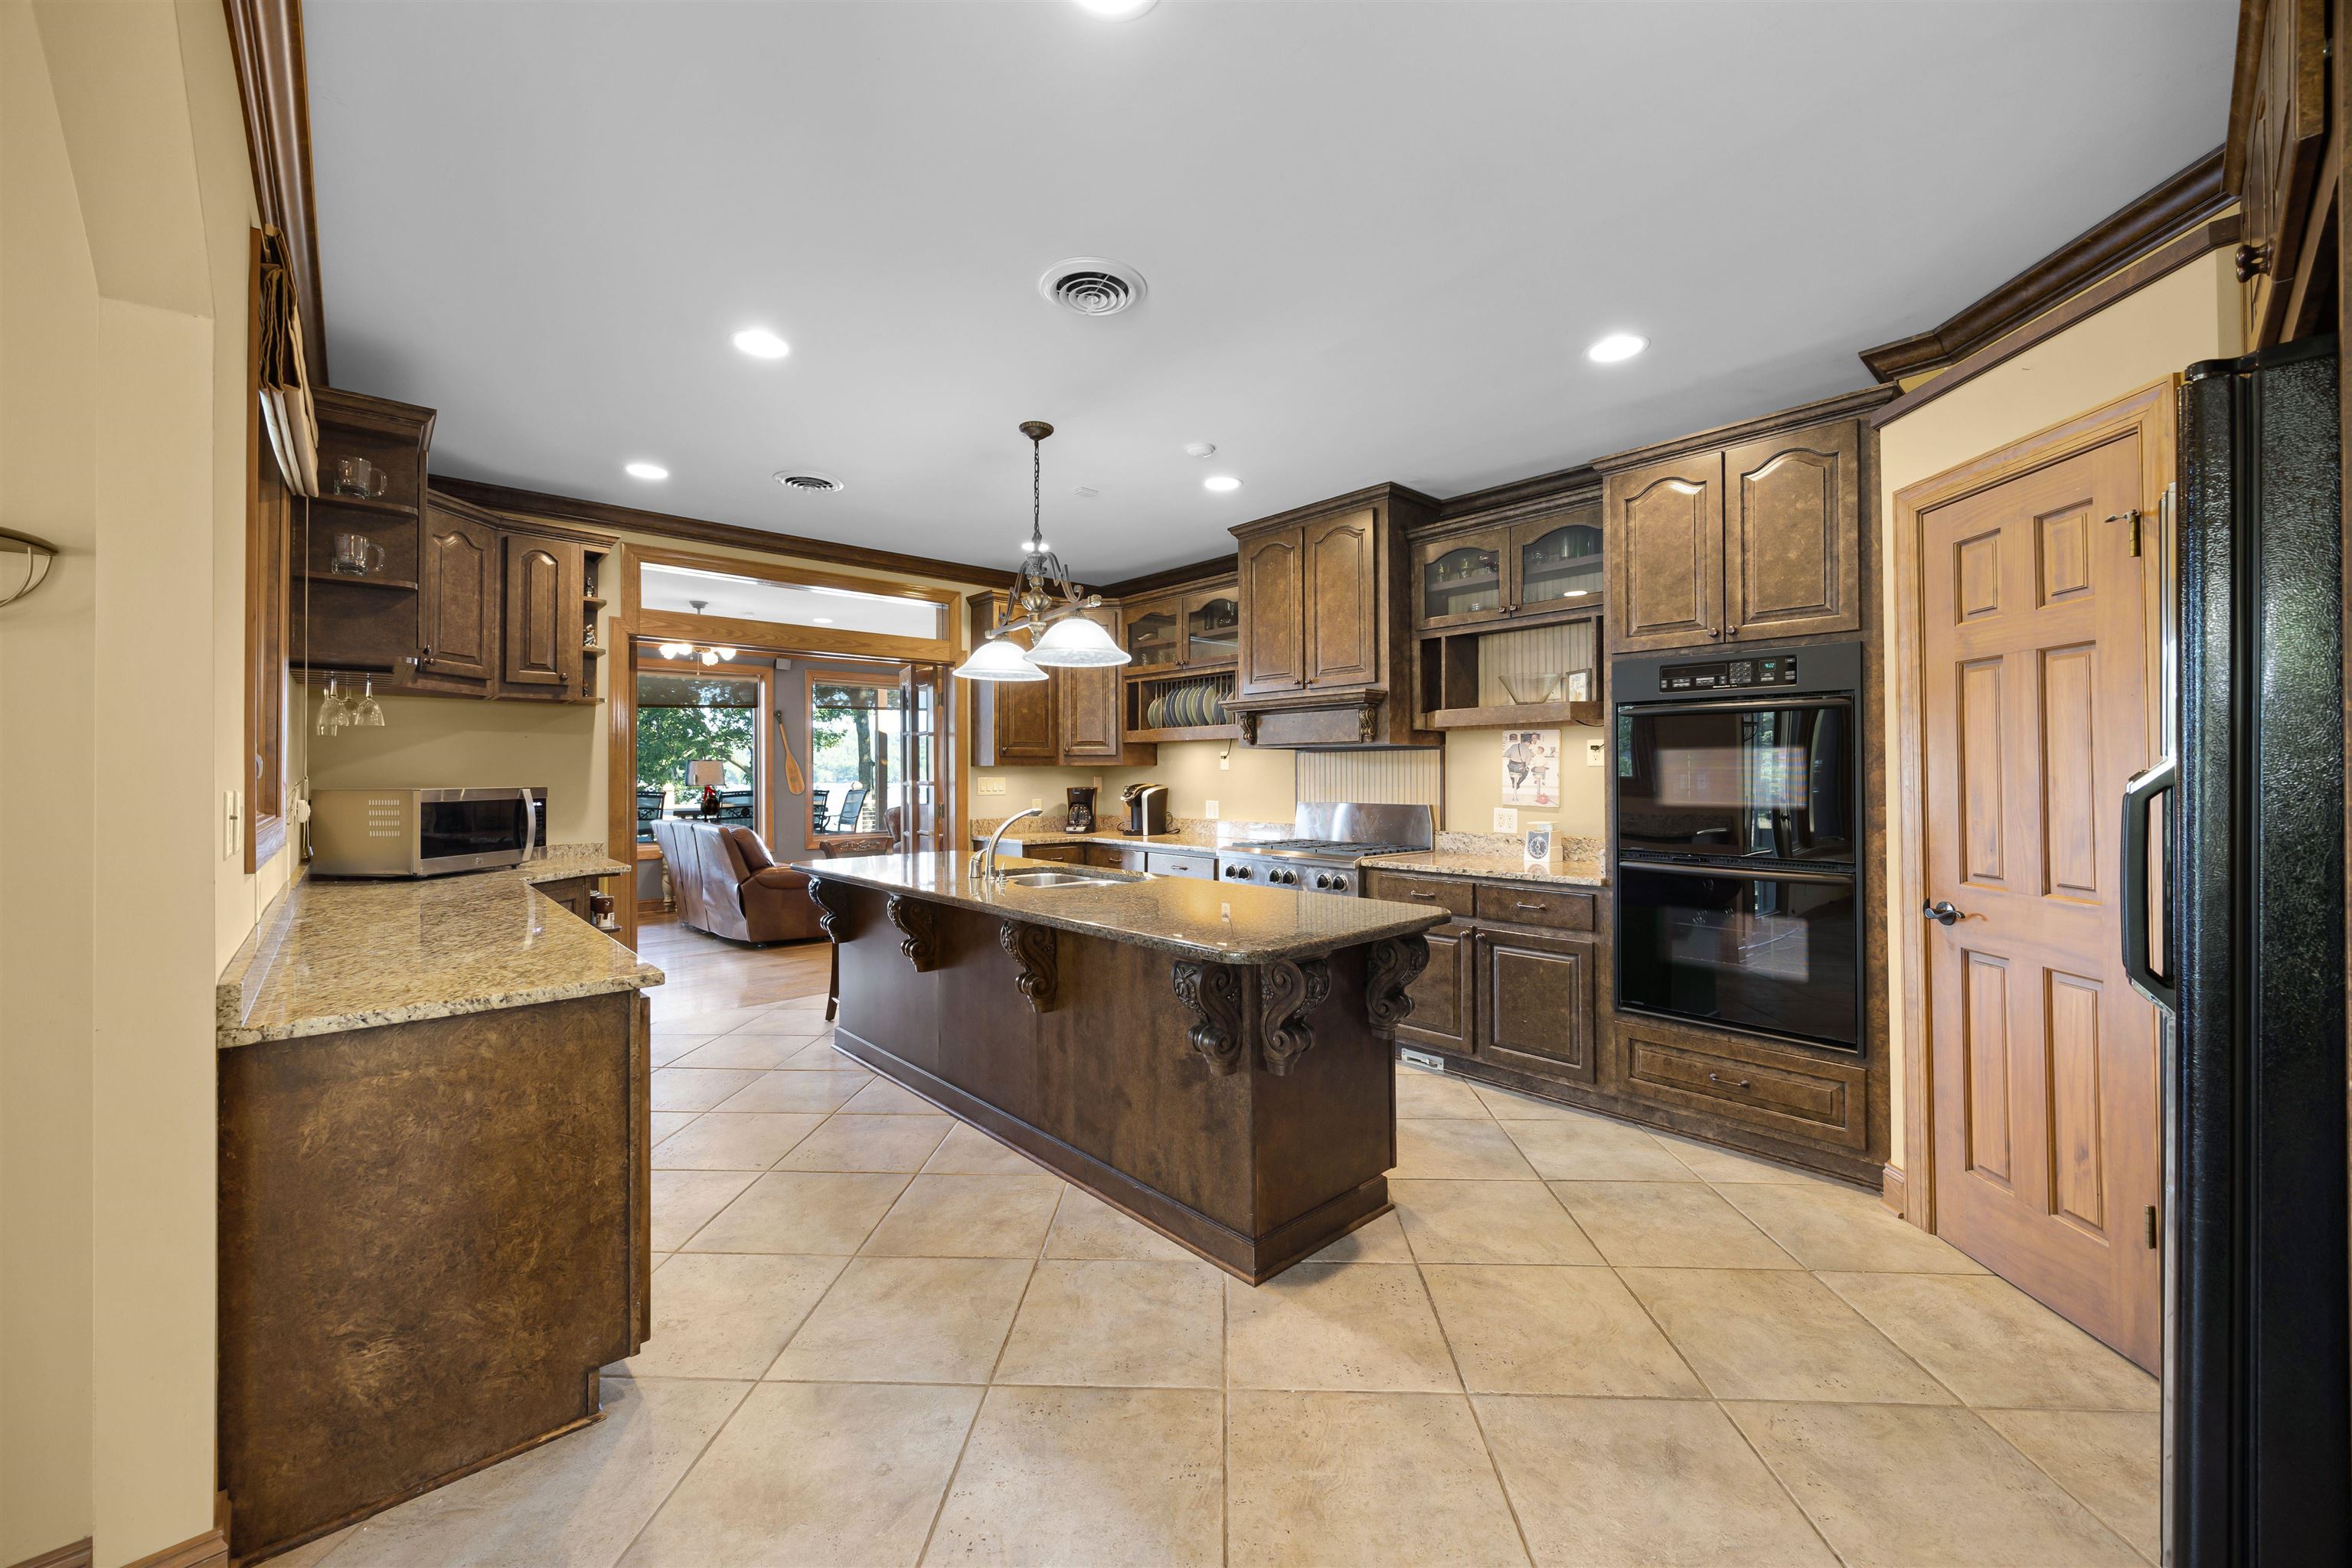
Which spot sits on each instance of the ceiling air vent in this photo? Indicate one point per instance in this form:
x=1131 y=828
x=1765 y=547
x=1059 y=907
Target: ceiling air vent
x=1091 y=286
x=808 y=481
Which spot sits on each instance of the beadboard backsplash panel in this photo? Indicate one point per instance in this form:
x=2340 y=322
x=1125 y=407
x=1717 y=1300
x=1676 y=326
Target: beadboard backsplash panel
x=1374 y=778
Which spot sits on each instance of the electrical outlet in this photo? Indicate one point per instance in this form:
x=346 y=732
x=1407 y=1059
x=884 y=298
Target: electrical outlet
x=984 y=785
x=1036 y=803
x=1507 y=819
x=1210 y=810
x=1595 y=752
x=1225 y=761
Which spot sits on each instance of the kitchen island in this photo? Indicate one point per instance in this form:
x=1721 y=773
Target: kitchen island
x=1215 y=1061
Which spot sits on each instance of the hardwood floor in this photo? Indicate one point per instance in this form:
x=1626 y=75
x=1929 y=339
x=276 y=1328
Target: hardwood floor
x=711 y=975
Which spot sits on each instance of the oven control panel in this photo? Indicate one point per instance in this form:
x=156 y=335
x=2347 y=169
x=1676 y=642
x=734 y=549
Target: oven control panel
x=1779 y=669
x=1803 y=669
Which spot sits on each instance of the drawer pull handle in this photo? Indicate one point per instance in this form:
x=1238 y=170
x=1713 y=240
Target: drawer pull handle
x=1718 y=1077
x=1411 y=894
x=1538 y=907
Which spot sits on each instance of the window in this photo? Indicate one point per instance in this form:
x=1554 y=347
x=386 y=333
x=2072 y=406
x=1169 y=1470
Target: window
x=698 y=729
x=854 y=724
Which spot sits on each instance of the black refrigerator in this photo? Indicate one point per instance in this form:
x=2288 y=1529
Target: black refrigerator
x=2251 y=969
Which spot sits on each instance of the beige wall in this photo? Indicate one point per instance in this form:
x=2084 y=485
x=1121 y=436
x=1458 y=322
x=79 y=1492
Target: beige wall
x=125 y=200
x=2188 y=316
x=434 y=741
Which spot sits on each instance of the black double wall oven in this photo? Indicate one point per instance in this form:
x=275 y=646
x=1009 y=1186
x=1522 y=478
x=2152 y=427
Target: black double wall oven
x=1738 y=830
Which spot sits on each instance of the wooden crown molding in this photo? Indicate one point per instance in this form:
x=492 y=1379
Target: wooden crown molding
x=2194 y=194
x=1229 y=564
x=265 y=39
x=1845 y=405
x=1371 y=495
x=1522 y=498
x=538 y=505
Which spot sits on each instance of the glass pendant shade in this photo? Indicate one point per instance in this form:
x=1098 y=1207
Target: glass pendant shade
x=1075 y=640
x=1000 y=659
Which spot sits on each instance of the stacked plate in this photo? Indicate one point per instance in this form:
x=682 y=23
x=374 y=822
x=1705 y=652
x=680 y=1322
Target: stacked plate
x=1187 y=707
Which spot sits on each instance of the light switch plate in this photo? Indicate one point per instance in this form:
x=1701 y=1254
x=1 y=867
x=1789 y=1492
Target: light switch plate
x=1210 y=810
x=1507 y=819
x=1036 y=803
x=232 y=826
x=1595 y=752
x=984 y=785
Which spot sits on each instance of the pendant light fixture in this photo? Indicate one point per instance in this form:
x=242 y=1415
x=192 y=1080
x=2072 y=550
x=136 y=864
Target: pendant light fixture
x=1043 y=603
x=689 y=651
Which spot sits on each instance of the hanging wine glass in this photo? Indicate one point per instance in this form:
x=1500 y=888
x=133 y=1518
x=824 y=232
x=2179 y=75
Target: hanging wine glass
x=369 y=714
x=334 y=709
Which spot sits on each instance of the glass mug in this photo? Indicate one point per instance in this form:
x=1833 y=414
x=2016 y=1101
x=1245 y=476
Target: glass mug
x=358 y=477
x=356 y=555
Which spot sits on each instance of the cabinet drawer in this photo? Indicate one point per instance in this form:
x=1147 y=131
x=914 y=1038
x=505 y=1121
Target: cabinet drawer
x=1109 y=856
x=1401 y=887
x=1163 y=863
x=1781 y=1091
x=1066 y=854
x=1535 y=906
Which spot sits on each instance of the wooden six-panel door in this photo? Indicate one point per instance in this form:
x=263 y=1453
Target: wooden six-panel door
x=2036 y=709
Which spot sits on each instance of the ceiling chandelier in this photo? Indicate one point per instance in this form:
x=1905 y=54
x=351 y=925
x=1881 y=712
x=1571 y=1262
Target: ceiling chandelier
x=689 y=651
x=1043 y=603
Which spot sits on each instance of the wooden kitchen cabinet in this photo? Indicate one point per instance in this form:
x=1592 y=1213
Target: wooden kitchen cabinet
x=1443 y=1017
x=1273 y=609
x=1665 y=531
x=540 y=616
x=1213 y=624
x=2274 y=160
x=1535 y=1002
x=1341 y=561
x=1070 y=719
x=1155 y=635
x=458 y=614
x=1462 y=579
x=1089 y=708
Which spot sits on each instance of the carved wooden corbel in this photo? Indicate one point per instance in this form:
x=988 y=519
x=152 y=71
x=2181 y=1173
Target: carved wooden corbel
x=1367 y=720
x=1214 y=992
x=1391 y=967
x=1249 y=729
x=1034 y=952
x=913 y=917
x=830 y=914
x=1287 y=992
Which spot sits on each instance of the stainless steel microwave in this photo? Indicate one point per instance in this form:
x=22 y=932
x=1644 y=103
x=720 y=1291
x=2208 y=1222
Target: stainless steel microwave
x=422 y=832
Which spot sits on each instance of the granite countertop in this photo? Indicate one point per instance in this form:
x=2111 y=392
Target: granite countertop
x=1187 y=916
x=1197 y=834
x=332 y=954
x=1494 y=867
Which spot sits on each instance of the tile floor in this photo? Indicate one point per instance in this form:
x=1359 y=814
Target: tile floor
x=881 y=1338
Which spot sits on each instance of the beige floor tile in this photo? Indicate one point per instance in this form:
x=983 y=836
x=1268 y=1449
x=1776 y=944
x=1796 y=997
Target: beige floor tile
x=1539 y=1330
x=1504 y=1106
x=785 y=1090
x=677 y=1009
x=667 y=1123
x=1489 y=1221
x=684 y=1201
x=908 y=1319
x=819 y=1056
x=573 y=1503
x=969 y=1152
x=728 y=1314
x=1907 y=1486
x=1458 y=1151
x=880 y=1097
x=1632 y=1483
x=696 y=1089
x=1710 y=1162
x=314 y=1553
x=1086 y=1226
x=847 y=1143
x=968 y=1216
x=1994 y=1345
x=2112 y=1460
x=1779 y=1334
x=1841 y=1230
x=801 y=1211
x=735 y=1140
x=813 y=1476
x=1096 y=1476
x=756 y=1052
x=786 y=1023
x=1352 y=1326
x=664 y=1049
x=1381 y=1241
x=1594 y=1149
x=1667 y=1225
x=1432 y=1095
x=1132 y=1325
x=1317 y=1478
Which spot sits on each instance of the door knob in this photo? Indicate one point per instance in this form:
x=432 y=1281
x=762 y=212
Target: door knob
x=1940 y=911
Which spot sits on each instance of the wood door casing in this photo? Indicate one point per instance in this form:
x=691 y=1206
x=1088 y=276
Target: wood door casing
x=1339 y=558
x=2034 y=636
x=1273 y=601
x=1665 y=528
x=1793 y=534
x=541 y=613
x=457 y=602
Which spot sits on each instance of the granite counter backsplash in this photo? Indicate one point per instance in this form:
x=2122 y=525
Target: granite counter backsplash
x=332 y=954
x=1184 y=832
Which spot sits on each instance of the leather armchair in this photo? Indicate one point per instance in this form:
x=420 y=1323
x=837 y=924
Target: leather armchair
x=727 y=884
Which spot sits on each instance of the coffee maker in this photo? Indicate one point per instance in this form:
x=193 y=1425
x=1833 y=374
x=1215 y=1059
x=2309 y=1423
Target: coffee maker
x=1146 y=809
x=1082 y=808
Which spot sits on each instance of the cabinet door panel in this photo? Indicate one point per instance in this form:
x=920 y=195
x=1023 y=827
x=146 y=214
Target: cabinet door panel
x=1463 y=579
x=1212 y=628
x=1342 y=562
x=2282 y=135
x=1272 y=600
x=541 y=615
x=1089 y=701
x=1557 y=562
x=1793 y=533
x=1535 y=1003
x=1443 y=998
x=1664 y=542
x=1155 y=636
x=457 y=604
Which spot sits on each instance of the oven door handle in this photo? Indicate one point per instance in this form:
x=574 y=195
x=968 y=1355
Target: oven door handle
x=1741 y=705
x=1739 y=873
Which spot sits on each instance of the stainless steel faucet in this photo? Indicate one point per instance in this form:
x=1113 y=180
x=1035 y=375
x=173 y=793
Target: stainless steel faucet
x=983 y=861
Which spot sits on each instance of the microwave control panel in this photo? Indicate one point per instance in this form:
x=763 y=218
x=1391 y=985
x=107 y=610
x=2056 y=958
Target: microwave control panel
x=1777 y=670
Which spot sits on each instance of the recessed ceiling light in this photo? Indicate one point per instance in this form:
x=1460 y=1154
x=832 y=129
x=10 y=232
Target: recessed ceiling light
x=1616 y=346
x=1088 y=491
x=821 y=620
x=1200 y=449
x=762 y=343
x=1118 y=10
x=645 y=471
x=1221 y=483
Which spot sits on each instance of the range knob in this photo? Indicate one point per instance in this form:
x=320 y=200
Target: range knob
x=1241 y=871
x=1323 y=879
x=1288 y=878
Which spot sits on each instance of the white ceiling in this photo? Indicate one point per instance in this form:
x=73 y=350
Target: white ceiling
x=1377 y=236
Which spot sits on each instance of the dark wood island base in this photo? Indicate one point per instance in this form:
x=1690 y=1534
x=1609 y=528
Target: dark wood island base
x=1246 y=1111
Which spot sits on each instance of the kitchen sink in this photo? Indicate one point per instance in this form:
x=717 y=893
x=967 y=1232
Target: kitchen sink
x=1090 y=878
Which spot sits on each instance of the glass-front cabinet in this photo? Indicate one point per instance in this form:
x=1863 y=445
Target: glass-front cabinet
x=1555 y=562
x=1154 y=634
x=1462 y=577
x=1213 y=625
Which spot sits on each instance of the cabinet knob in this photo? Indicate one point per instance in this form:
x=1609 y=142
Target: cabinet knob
x=2252 y=262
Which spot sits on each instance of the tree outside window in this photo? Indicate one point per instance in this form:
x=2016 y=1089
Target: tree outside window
x=850 y=722
x=686 y=719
